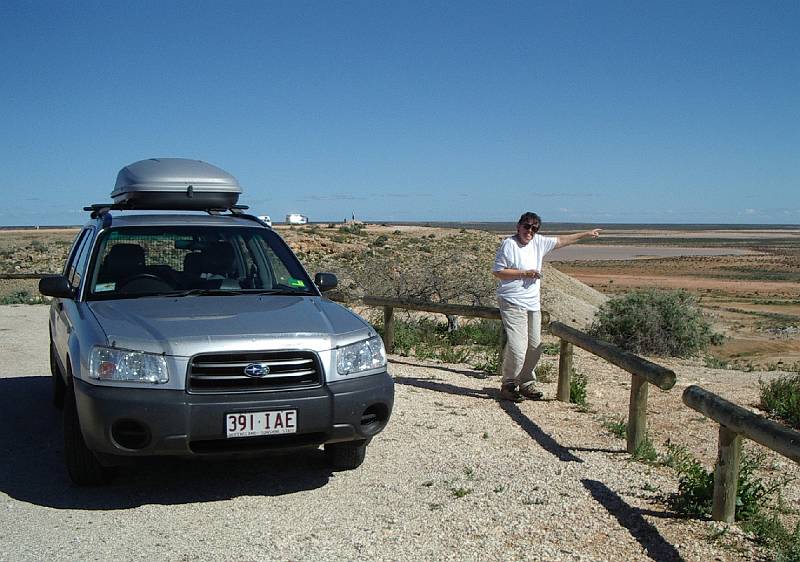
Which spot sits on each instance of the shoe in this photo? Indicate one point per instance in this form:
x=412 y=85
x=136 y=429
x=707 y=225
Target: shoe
x=509 y=392
x=530 y=393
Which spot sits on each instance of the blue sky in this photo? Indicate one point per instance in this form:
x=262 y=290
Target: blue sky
x=476 y=111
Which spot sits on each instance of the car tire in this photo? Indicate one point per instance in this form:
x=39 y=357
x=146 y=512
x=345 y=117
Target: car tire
x=346 y=456
x=59 y=387
x=83 y=467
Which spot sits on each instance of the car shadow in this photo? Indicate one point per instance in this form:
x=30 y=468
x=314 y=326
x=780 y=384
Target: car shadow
x=437 y=386
x=34 y=471
x=471 y=373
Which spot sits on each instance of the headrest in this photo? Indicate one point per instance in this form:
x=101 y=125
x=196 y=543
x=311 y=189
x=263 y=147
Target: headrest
x=123 y=260
x=218 y=258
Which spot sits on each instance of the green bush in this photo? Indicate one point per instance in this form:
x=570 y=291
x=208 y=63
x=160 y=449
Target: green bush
x=617 y=427
x=577 y=388
x=545 y=371
x=696 y=485
x=380 y=240
x=645 y=451
x=23 y=297
x=453 y=355
x=353 y=228
x=781 y=398
x=483 y=332
x=427 y=339
x=655 y=322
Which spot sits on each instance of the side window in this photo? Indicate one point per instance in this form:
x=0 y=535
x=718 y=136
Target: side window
x=78 y=265
x=73 y=252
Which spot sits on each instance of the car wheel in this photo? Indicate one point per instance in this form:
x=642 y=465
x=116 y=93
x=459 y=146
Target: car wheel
x=83 y=467
x=57 y=380
x=346 y=456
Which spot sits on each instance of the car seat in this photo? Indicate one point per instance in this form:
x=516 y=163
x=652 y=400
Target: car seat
x=122 y=262
x=214 y=266
x=218 y=260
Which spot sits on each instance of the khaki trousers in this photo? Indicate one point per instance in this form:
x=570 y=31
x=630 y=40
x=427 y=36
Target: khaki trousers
x=524 y=344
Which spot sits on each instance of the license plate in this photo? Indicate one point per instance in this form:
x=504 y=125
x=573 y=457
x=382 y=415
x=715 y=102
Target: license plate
x=250 y=424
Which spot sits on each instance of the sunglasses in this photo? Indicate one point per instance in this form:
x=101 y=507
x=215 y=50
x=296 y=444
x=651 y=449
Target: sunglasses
x=530 y=226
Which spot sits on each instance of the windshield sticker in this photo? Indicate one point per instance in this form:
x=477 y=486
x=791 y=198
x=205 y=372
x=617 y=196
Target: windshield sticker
x=102 y=287
x=296 y=282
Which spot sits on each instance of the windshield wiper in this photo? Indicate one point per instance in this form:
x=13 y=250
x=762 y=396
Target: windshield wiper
x=228 y=292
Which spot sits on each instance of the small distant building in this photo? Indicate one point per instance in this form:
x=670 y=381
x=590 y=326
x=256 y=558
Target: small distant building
x=296 y=218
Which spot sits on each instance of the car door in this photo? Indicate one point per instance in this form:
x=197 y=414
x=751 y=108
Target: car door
x=63 y=310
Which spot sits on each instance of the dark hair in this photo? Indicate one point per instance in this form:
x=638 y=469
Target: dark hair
x=529 y=217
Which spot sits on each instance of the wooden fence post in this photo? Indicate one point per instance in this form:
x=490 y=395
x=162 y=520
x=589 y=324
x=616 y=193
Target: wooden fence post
x=564 y=371
x=637 y=413
x=726 y=475
x=388 y=328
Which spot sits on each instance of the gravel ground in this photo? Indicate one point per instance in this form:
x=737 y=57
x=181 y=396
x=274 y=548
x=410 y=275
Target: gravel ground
x=457 y=475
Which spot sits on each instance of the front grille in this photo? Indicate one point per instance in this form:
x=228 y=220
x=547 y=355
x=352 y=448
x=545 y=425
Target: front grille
x=216 y=373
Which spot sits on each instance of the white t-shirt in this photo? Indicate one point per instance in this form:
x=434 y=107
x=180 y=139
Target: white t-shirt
x=510 y=255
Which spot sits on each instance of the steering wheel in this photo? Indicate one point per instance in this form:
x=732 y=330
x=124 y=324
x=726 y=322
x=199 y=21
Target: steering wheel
x=145 y=283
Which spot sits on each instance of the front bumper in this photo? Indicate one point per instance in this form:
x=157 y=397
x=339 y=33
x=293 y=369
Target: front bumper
x=146 y=422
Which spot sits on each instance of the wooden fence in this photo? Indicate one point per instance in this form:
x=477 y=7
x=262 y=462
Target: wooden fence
x=642 y=370
x=736 y=422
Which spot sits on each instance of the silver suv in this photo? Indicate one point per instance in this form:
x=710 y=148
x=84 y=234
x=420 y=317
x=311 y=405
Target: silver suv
x=200 y=334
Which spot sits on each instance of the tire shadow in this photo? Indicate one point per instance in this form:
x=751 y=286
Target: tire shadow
x=33 y=468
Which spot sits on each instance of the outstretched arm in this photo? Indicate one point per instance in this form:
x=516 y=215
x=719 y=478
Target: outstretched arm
x=568 y=239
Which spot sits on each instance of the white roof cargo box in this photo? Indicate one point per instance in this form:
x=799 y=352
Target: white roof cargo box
x=175 y=183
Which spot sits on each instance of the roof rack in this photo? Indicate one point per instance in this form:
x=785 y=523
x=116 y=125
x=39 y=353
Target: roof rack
x=100 y=209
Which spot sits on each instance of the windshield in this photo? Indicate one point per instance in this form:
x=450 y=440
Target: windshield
x=193 y=260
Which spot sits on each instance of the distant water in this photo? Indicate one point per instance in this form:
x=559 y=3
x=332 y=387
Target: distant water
x=586 y=252
x=555 y=227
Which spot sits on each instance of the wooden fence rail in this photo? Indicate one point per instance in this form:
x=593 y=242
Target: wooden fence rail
x=642 y=372
x=734 y=423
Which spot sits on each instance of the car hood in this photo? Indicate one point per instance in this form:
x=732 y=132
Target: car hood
x=184 y=326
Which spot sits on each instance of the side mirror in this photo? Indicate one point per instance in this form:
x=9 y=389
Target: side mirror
x=325 y=281
x=56 y=286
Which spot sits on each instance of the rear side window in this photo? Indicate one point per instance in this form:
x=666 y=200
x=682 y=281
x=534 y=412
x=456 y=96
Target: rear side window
x=77 y=263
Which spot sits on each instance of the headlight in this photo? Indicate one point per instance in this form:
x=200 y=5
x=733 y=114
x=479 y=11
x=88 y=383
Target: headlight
x=109 y=364
x=362 y=356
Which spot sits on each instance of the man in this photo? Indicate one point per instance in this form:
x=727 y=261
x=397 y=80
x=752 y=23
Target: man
x=518 y=266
